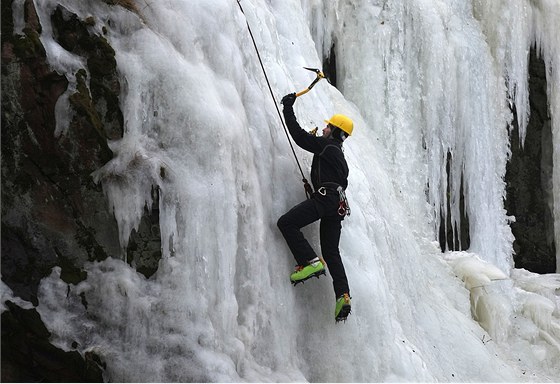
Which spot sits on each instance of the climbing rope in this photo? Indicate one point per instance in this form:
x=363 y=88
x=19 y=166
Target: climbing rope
x=306 y=185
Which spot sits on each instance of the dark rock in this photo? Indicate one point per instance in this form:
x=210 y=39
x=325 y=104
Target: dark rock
x=144 y=246
x=329 y=66
x=23 y=265
x=31 y=356
x=100 y=104
x=52 y=212
x=51 y=209
x=529 y=181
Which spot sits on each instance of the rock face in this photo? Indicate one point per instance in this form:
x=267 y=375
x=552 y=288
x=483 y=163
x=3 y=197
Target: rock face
x=53 y=214
x=529 y=181
x=31 y=358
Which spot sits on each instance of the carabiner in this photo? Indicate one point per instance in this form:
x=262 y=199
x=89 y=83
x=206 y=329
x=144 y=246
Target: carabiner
x=343 y=206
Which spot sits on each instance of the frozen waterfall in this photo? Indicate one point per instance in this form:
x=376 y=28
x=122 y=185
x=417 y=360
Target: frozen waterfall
x=424 y=81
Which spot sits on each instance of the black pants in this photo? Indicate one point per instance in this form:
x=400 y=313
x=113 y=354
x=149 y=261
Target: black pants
x=305 y=213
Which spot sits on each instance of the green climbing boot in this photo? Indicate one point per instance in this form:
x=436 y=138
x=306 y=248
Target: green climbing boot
x=314 y=269
x=342 y=308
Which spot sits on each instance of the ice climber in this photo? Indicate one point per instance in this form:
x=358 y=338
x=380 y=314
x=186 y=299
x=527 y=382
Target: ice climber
x=329 y=176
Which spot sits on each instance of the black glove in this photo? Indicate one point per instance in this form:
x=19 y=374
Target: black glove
x=289 y=99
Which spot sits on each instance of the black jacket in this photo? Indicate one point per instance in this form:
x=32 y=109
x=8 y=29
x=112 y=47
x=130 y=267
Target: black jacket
x=329 y=164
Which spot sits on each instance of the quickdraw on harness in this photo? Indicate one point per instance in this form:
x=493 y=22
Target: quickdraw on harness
x=320 y=75
x=343 y=206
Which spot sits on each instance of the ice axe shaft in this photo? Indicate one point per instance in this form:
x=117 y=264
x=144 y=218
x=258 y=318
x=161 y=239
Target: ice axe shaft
x=320 y=76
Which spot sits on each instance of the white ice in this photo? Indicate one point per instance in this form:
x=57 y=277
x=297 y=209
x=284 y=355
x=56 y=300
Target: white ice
x=420 y=79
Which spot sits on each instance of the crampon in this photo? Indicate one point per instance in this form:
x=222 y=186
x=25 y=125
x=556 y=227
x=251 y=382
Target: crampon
x=343 y=308
x=302 y=274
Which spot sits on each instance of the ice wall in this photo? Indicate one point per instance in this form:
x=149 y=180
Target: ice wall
x=426 y=80
x=201 y=125
x=420 y=85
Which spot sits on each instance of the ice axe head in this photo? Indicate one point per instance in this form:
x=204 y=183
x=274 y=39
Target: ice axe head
x=316 y=70
x=320 y=75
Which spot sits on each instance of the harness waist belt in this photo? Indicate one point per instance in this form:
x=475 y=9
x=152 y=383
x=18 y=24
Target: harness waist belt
x=332 y=186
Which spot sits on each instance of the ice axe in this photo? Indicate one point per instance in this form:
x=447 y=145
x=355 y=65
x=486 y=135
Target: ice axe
x=320 y=75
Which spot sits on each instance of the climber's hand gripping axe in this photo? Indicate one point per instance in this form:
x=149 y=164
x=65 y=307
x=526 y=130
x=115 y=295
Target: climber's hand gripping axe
x=320 y=75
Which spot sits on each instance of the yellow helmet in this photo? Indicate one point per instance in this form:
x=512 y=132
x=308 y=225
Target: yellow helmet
x=342 y=122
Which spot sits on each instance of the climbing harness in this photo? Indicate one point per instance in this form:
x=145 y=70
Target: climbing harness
x=306 y=185
x=343 y=206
